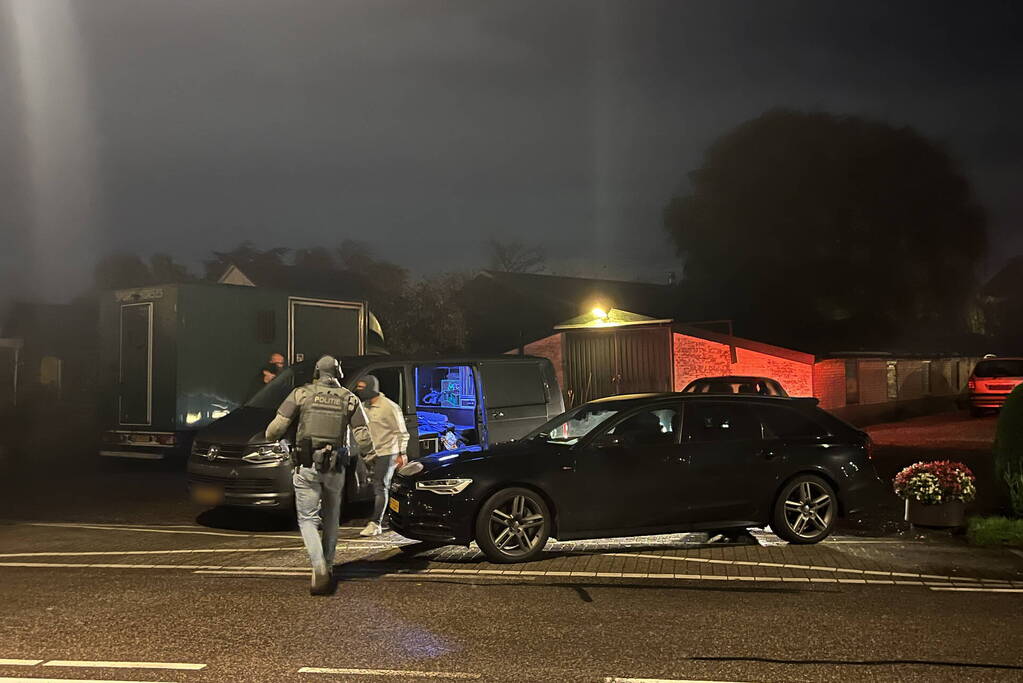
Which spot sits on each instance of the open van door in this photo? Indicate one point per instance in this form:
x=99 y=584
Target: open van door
x=515 y=398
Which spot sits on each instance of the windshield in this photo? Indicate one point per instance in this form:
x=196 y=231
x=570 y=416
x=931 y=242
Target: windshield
x=272 y=395
x=568 y=428
x=1009 y=367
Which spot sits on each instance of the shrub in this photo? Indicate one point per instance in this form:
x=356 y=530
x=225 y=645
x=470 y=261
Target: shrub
x=936 y=482
x=1009 y=448
x=995 y=531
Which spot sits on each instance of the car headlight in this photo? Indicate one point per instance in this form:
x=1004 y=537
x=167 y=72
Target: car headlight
x=267 y=452
x=445 y=487
x=414 y=467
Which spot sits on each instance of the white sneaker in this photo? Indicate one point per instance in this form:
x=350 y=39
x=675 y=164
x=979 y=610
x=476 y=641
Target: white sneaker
x=372 y=529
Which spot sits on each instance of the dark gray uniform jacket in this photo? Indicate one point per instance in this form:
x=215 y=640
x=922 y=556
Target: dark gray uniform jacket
x=301 y=397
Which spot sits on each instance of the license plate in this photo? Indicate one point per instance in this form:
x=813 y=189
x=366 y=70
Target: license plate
x=206 y=494
x=393 y=504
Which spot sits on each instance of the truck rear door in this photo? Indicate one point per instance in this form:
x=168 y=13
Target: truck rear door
x=321 y=326
x=135 y=374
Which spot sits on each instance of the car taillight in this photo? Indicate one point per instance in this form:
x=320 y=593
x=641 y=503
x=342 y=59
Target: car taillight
x=971 y=384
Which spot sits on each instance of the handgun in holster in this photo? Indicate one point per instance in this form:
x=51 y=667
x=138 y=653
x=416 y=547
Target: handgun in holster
x=324 y=456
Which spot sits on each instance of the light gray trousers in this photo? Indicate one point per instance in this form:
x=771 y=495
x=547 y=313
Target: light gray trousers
x=318 y=504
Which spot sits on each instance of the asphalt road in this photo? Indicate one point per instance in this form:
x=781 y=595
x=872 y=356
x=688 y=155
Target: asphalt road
x=111 y=574
x=257 y=629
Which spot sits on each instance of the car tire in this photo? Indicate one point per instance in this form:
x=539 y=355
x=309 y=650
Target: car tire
x=977 y=412
x=513 y=525
x=805 y=511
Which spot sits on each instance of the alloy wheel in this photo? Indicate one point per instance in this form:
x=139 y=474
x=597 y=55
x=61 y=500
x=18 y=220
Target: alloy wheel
x=809 y=509
x=516 y=526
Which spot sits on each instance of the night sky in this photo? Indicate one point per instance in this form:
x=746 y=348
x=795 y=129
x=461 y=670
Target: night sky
x=426 y=128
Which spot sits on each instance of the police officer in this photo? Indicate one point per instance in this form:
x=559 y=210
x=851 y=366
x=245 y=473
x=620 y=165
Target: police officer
x=326 y=411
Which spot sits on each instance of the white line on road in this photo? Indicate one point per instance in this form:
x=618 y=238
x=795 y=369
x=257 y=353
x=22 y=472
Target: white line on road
x=87 y=553
x=971 y=589
x=517 y=574
x=21 y=662
x=177 y=666
x=226 y=572
x=290 y=537
x=97 y=527
x=70 y=680
x=659 y=680
x=804 y=567
x=386 y=672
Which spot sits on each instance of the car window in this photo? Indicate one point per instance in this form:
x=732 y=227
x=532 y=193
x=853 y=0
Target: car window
x=568 y=429
x=719 y=422
x=780 y=422
x=649 y=427
x=999 y=368
x=513 y=384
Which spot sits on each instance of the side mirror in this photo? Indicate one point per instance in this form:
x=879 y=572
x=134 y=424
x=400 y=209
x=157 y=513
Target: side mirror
x=608 y=441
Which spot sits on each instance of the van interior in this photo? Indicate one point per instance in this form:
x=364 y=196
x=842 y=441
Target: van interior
x=446 y=395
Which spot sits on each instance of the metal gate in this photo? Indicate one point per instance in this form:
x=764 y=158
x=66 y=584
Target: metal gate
x=618 y=361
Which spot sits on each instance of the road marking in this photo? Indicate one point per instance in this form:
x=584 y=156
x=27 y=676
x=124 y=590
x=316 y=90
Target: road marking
x=292 y=537
x=1016 y=552
x=176 y=666
x=96 y=527
x=154 y=552
x=804 y=567
x=971 y=589
x=21 y=662
x=386 y=672
x=225 y=572
x=521 y=575
x=354 y=574
x=71 y=680
x=611 y=679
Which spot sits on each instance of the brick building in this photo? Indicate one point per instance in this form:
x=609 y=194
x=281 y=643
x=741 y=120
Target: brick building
x=619 y=352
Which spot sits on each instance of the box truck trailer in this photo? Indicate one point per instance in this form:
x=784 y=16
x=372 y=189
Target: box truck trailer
x=177 y=357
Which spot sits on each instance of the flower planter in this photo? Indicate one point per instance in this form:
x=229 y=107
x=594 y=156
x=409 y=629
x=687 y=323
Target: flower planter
x=941 y=515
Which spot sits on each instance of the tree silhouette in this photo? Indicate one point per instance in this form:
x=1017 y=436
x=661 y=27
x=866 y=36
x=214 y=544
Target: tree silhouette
x=121 y=270
x=244 y=254
x=797 y=219
x=319 y=258
x=515 y=257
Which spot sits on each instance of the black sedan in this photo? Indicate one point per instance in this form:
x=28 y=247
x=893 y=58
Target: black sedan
x=644 y=464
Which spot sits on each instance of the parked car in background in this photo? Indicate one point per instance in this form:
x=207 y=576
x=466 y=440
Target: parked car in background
x=489 y=400
x=643 y=464
x=733 y=384
x=991 y=381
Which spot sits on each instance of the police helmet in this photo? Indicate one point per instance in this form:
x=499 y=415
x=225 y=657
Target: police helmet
x=330 y=366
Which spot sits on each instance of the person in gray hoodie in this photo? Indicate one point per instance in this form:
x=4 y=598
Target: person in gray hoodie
x=390 y=439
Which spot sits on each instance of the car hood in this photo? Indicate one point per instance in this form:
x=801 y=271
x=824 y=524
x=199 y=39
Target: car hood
x=454 y=459
x=241 y=427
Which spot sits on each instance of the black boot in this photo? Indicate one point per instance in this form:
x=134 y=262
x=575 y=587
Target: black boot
x=322 y=584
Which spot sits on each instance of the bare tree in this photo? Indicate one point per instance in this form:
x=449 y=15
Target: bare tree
x=515 y=257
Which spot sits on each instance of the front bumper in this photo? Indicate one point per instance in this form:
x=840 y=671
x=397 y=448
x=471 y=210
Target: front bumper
x=427 y=516
x=241 y=484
